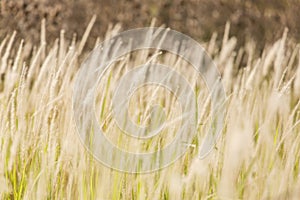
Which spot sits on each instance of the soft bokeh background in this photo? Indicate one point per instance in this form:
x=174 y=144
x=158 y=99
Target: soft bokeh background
x=260 y=20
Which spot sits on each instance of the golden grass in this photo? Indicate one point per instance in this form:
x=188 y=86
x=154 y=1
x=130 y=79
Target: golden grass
x=257 y=156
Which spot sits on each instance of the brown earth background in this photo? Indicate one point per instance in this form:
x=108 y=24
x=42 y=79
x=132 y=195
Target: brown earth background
x=260 y=20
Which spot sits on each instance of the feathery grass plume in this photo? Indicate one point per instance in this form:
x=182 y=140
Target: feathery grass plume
x=212 y=44
x=297 y=79
x=269 y=59
x=7 y=52
x=279 y=61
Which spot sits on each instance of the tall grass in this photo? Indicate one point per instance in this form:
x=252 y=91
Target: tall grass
x=257 y=156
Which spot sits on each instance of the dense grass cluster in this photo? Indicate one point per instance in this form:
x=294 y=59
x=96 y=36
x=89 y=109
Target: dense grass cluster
x=257 y=156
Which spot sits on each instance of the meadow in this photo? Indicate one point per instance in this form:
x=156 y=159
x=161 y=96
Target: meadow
x=256 y=157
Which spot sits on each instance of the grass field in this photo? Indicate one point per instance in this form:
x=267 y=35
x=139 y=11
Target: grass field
x=257 y=156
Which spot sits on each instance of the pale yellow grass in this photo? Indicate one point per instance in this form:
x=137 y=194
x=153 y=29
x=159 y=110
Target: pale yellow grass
x=257 y=157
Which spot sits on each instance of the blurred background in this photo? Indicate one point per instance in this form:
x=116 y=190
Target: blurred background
x=262 y=21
